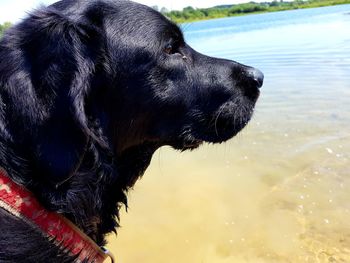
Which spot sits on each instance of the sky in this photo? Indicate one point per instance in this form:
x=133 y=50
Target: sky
x=14 y=10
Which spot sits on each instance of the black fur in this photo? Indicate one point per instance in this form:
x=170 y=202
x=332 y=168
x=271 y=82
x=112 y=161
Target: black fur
x=89 y=90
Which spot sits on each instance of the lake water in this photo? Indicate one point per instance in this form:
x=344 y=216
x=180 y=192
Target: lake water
x=279 y=191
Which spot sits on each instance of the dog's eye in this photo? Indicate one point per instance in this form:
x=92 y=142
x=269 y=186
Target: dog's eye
x=169 y=49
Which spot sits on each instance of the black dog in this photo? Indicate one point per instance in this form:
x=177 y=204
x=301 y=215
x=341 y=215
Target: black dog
x=89 y=90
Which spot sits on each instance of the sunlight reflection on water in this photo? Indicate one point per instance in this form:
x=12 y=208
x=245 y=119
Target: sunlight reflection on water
x=278 y=192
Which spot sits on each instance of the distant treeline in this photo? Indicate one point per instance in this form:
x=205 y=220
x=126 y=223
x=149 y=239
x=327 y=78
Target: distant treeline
x=3 y=27
x=189 y=14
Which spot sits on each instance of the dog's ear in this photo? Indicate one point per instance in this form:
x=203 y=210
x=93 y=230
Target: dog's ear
x=62 y=55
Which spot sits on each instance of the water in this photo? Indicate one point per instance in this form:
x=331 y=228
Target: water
x=279 y=191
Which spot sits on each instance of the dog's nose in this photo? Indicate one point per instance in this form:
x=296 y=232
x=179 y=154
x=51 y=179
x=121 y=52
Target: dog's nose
x=256 y=76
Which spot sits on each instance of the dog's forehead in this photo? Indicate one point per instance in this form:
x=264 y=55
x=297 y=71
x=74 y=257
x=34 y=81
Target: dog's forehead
x=135 y=18
x=121 y=18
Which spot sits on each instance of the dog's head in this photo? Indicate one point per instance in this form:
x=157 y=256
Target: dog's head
x=164 y=91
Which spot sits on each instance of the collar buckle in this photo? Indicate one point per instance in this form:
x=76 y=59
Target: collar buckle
x=109 y=254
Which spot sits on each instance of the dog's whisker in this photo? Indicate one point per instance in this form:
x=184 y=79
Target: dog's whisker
x=216 y=120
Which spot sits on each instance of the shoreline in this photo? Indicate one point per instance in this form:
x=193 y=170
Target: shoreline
x=184 y=21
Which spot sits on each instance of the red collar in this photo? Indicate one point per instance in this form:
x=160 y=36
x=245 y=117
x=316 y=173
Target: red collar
x=21 y=203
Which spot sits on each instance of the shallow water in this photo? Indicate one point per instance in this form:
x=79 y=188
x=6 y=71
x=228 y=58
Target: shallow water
x=279 y=191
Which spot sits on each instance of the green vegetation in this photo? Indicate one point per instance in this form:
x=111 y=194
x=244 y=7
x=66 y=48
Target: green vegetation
x=3 y=27
x=189 y=14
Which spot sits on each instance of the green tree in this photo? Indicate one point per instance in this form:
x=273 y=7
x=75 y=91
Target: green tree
x=188 y=9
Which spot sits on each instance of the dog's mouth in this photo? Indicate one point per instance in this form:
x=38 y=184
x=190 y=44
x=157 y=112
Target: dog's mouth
x=186 y=144
x=225 y=123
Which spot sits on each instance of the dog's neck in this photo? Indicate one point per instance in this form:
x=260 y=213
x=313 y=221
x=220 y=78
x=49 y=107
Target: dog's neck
x=92 y=198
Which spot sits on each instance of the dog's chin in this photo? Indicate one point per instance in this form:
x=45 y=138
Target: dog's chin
x=219 y=126
x=221 y=131
x=186 y=144
x=220 y=135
